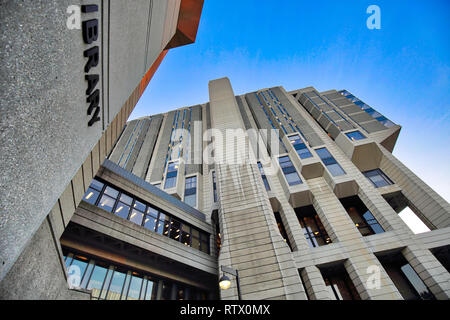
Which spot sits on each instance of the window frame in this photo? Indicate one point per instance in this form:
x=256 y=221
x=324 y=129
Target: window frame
x=188 y=190
x=287 y=170
x=352 y=138
x=302 y=144
x=329 y=161
x=380 y=172
x=161 y=214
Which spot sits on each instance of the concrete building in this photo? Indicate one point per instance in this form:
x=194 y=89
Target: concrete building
x=310 y=213
x=72 y=72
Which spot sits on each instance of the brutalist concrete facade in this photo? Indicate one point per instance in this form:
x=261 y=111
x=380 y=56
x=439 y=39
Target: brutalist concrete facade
x=254 y=221
x=67 y=91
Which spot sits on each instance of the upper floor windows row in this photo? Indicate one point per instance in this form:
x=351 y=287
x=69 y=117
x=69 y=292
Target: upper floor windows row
x=143 y=214
x=375 y=114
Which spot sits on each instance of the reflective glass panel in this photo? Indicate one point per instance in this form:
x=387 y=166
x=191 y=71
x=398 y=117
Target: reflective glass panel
x=136 y=217
x=96 y=281
x=115 y=288
x=135 y=288
x=106 y=203
x=122 y=210
x=91 y=196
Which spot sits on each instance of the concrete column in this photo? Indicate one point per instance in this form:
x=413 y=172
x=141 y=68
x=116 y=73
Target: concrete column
x=252 y=245
x=430 y=270
x=342 y=229
x=314 y=283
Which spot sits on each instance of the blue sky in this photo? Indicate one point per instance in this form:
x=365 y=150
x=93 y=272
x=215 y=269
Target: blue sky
x=402 y=70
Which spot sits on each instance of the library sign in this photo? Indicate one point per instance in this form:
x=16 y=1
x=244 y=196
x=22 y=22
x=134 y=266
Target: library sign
x=90 y=36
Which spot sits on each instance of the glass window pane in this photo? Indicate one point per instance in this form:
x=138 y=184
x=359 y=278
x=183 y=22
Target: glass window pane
x=195 y=243
x=205 y=247
x=151 y=290
x=355 y=135
x=91 y=196
x=378 y=178
x=122 y=210
x=106 y=203
x=96 y=281
x=153 y=212
x=139 y=206
x=170 y=182
x=191 y=199
x=376 y=228
x=336 y=170
x=115 y=288
x=126 y=199
x=160 y=227
x=416 y=282
x=135 y=288
x=97 y=185
x=166 y=223
x=136 y=217
x=185 y=238
x=111 y=192
x=304 y=153
x=150 y=222
x=175 y=228
x=195 y=233
x=76 y=270
x=166 y=292
x=293 y=179
x=323 y=153
x=68 y=262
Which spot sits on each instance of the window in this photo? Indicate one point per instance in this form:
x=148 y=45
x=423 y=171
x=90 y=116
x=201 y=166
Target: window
x=108 y=199
x=362 y=105
x=355 y=135
x=93 y=192
x=110 y=282
x=96 y=280
x=361 y=216
x=339 y=284
x=386 y=122
x=331 y=164
x=171 y=176
x=115 y=288
x=214 y=186
x=313 y=228
x=378 y=178
x=300 y=146
x=405 y=278
x=373 y=113
x=149 y=217
x=263 y=176
x=282 y=229
x=166 y=292
x=190 y=191
x=289 y=171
